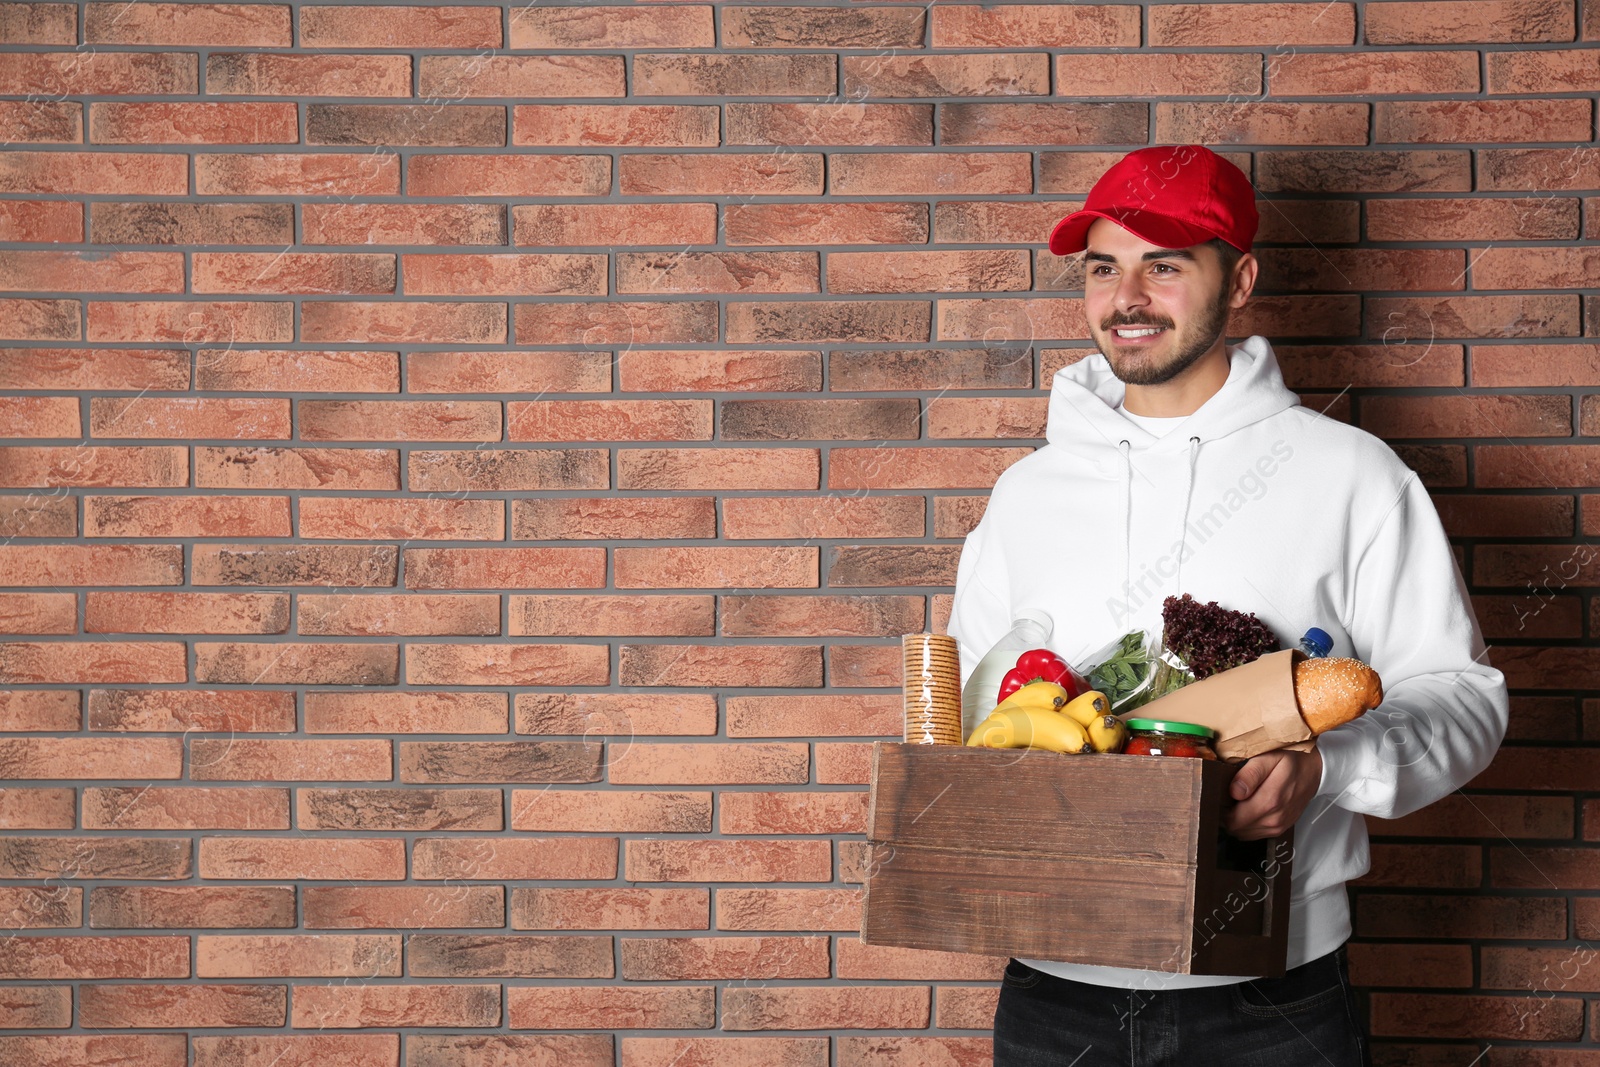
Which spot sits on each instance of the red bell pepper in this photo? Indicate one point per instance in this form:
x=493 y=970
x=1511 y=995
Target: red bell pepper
x=1042 y=665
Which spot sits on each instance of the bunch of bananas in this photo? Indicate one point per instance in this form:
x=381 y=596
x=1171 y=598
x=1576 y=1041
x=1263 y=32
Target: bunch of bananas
x=1043 y=715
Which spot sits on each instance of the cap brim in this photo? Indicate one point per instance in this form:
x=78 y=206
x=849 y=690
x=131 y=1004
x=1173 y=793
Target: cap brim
x=1071 y=234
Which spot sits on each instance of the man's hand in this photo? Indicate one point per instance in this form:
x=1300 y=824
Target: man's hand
x=1272 y=789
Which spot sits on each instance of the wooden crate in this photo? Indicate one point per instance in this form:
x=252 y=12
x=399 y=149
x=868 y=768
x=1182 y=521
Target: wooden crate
x=1100 y=859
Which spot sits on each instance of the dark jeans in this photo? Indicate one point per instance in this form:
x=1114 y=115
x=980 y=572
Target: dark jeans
x=1306 y=1017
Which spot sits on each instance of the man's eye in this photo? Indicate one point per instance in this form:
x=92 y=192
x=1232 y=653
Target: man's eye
x=1166 y=266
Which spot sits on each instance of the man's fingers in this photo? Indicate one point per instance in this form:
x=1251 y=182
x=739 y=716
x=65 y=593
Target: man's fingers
x=1249 y=777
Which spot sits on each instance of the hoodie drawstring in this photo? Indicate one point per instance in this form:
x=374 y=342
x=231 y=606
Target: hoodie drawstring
x=1127 y=515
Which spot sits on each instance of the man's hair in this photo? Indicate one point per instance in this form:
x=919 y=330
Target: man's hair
x=1227 y=254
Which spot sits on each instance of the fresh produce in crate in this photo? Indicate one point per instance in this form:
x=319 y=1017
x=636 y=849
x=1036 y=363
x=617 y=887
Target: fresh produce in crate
x=1040 y=715
x=1042 y=665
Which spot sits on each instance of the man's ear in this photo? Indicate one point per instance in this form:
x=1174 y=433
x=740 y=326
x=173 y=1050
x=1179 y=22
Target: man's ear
x=1244 y=279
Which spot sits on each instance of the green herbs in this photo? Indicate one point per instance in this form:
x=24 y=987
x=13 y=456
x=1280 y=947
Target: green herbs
x=1125 y=671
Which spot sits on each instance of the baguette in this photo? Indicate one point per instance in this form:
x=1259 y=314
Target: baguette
x=1334 y=690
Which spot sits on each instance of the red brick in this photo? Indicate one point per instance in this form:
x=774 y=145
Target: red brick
x=605 y=1008
x=769 y=567
x=986 y=418
x=1259 y=122
x=191 y=321
x=508 y=372
x=390 y=713
x=177 y=516
x=724 y=1051
x=814 y=716
x=191 y=24
x=103 y=465
x=789 y=909
x=389 y=518
x=1021 y=319
x=843 y=763
x=93 y=661
x=1437 y=121
x=1484 y=23
x=504 y=568
x=176 y=223
x=1158 y=74
x=343 y=1006
x=1448 y=219
x=1467 y=416
x=74 y=1050
x=821 y=616
x=103 y=272
x=401 y=125
x=733 y=75
x=828 y=516
x=1413 y=965
x=285 y=858
x=60 y=74
x=642 y=371
x=501 y=1050
x=1481 y=917
x=410 y=321
x=718 y=763
x=602 y=225
x=190 y=906
x=192 y=123
x=182 y=1006
x=617 y=322
x=1482 y=1017
x=296 y=468
x=1431 y=866
x=898 y=173
x=522 y=857
x=974 y=74
x=829 y=124
x=1507 y=466
x=47 y=710
x=881 y=1052
x=607 y=616
x=728 y=861
x=341 y=907
x=38 y=23
x=754 y=322
x=38 y=613
x=668 y=125
x=400 y=420
x=1459 y=815
x=714 y=666
x=608 y=420
x=717 y=272
x=285 y=564
x=867 y=223
x=39 y=320
x=1543 y=170
x=832 y=1007
x=407 y=224
x=515 y=956
x=482 y=470
x=36 y=1007
x=1541 y=268
x=304 y=174
x=515 y=274
x=1474 y=316
x=256 y=759
x=801 y=27
x=633 y=714
x=611 y=909
x=612 y=811
x=293 y=272
x=1542 y=71
x=967 y=1007
x=90 y=757
x=408 y=614
x=651 y=518
x=44 y=906
x=191 y=418
x=481 y=75
x=667 y=958
x=185 y=808
x=919 y=468
x=1043 y=124
x=831 y=812
x=38 y=515
x=1371 y=73
x=297 y=956
x=278 y=74
x=531 y=175
x=1537 y=868
x=310 y=1050
x=1029 y=26
x=41 y=220
x=399 y=27
x=85 y=958
x=721 y=174
x=927 y=272
x=718 y=468
x=499 y=762
x=858 y=960
x=1544 y=971
x=1280 y=25
x=518 y=664
x=864 y=665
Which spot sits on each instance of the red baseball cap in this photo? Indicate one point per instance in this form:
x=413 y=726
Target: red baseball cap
x=1170 y=195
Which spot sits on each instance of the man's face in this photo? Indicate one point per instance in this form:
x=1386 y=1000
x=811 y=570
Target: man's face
x=1132 y=284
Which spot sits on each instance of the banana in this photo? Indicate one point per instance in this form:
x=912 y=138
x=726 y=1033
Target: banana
x=1041 y=694
x=1030 y=728
x=1108 y=733
x=1085 y=708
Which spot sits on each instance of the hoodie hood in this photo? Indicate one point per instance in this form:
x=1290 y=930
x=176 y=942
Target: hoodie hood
x=1084 y=420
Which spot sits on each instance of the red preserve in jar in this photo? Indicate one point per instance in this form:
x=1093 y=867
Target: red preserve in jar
x=1154 y=737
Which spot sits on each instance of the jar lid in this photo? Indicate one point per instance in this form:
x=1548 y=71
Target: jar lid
x=1189 y=728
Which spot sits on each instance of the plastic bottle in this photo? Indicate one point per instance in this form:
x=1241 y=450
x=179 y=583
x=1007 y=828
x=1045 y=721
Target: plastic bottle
x=1030 y=628
x=1316 y=642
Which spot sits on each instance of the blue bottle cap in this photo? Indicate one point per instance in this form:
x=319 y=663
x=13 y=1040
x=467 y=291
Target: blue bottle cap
x=1318 y=638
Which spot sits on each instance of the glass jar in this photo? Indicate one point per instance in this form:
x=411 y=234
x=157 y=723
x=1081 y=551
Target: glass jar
x=1154 y=737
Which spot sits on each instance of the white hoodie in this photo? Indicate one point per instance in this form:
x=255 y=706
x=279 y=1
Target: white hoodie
x=1264 y=506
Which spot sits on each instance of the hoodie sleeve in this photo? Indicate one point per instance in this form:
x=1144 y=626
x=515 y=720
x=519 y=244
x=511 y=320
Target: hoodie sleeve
x=1444 y=708
x=979 y=616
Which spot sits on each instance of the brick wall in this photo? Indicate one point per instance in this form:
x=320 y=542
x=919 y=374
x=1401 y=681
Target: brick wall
x=469 y=469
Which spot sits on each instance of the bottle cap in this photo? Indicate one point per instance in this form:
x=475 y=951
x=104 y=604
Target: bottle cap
x=1318 y=639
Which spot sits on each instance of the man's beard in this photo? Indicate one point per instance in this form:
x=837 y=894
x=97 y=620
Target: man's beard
x=1195 y=342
